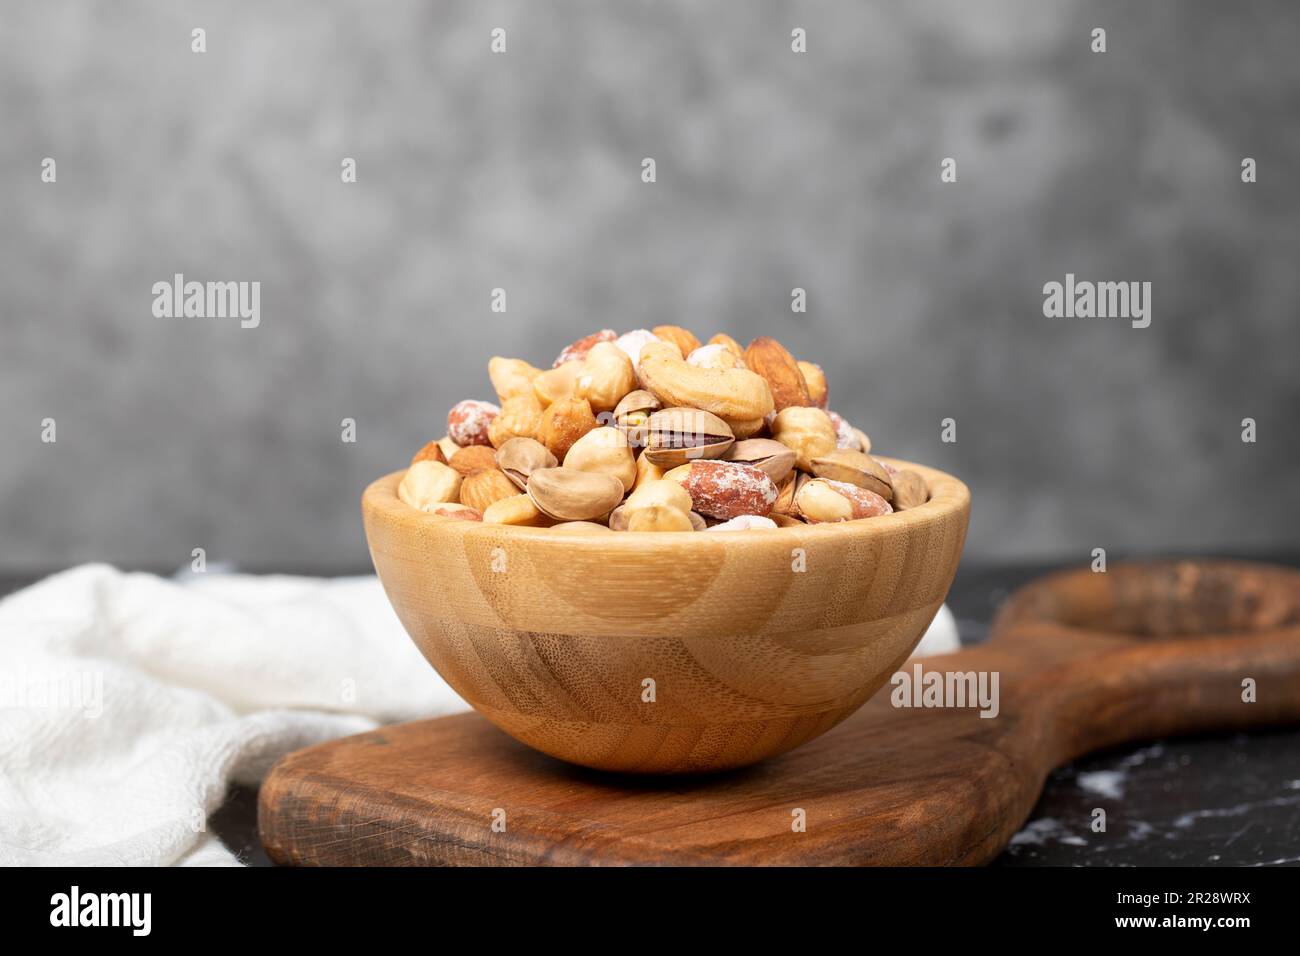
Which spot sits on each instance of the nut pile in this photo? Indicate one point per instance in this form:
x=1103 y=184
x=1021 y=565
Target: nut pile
x=654 y=431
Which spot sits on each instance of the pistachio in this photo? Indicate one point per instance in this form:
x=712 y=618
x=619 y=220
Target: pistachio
x=854 y=468
x=633 y=413
x=520 y=457
x=567 y=494
x=605 y=451
x=765 y=454
x=909 y=490
x=809 y=431
x=678 y=435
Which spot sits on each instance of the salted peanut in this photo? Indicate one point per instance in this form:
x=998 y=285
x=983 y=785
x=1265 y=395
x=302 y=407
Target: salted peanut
x=909 y=490
x=606 y=377
x=632 y=342
x=469 y=421
x=458 y=511
x=678 y=435
x=807 y=431
x=766 y=454
x=685 y=340
x=668 y=493
x=579 y=526
x=560 y=382
x=520 y=417
x=745 y=523
x=580 y=348
x=723 y=339
x=482 y=488
x=430 y=452
x=511 y=377
x=473 y=458
x=520 y=457
x=787 y=493
x=563 y=423
x=815 y=379
x=822 y=499
x=725 y=489
x=646 y=470
x=714 y=356
x=735 y=395
x=854 y=468
x=846 y=436
x=606 y=451
x=658 y=518
x=449 y=447
x=516 y=510
x=570 y=495
x=632 y=414
x=769 y=358
x=429 y=483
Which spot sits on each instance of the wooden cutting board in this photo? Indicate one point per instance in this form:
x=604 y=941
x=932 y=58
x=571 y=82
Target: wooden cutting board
x=1084 y=661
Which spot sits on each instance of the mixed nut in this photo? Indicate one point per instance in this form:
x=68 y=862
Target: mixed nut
x=655 y=431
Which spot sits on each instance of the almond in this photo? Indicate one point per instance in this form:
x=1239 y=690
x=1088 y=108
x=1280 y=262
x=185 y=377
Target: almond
x=473 y=458
x=485 y=487
x=769 y=358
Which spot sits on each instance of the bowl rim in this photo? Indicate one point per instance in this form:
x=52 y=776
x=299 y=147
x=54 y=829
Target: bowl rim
x=948 y=496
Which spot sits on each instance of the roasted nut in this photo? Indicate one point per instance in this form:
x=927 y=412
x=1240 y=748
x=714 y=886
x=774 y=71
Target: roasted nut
x=563 y=423
x=815 y=379
x=468 y=422
x=448 y=447
x=632 y=342
x=854 y=468
x=846 y=436
x=430 y=452
x=765 y=454
x=570 y=495
x=427 y=484
x=606 y=377
x=697 y=521
x=784 y=521
x=724 y=489
x=737 y=396
x=769 y=358
x=678 y=474
x=658 y=518
x=618 y=519
x=633 y=413
x=745 y=523
x=678 y=435
x=520 y=417
x=516 y=510
x=823 y=499
x=580 y=348
x=520 y=457
x=909 y=490
x=560 y=382
x=714 y=356
x=457 y=511
x=646 y=470
x=605 y=451
x=483 y=488
x=579 y=526
x=787 y=493
x=511 y=377
x=722 y=338
x=660 y=492
x=473 y=458
x=808 y=431
x=685 y=341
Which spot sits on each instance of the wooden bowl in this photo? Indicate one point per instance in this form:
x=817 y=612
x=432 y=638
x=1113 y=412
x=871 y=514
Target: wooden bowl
x=667 y=653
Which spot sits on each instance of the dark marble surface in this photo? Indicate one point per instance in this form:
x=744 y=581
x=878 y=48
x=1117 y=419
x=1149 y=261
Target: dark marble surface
x=1229 y=799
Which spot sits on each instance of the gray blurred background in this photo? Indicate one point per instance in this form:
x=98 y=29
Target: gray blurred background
x=775 y=170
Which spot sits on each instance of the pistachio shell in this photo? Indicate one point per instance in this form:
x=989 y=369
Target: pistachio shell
x=909 y=490
x=765 y=454
x=854 y=468
x=520 y=457
x=567 y=494
x=679 y=435
x=633 y=413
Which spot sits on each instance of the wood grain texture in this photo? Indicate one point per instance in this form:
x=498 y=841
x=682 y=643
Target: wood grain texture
x=1085 y=661
x=552 y=636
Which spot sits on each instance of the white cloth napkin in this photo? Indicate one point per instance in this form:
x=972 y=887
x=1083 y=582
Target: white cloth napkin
x=130 y=702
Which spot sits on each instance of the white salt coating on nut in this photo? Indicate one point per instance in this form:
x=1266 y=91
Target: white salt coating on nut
x=844 y=437
x=706 y=356
x=726 y=489
x=468 y=421
x=866 y=504
x=744 y=523
x=632 y=343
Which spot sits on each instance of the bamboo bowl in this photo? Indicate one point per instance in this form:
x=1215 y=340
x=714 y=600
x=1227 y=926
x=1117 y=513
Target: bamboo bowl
x=556 y=637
